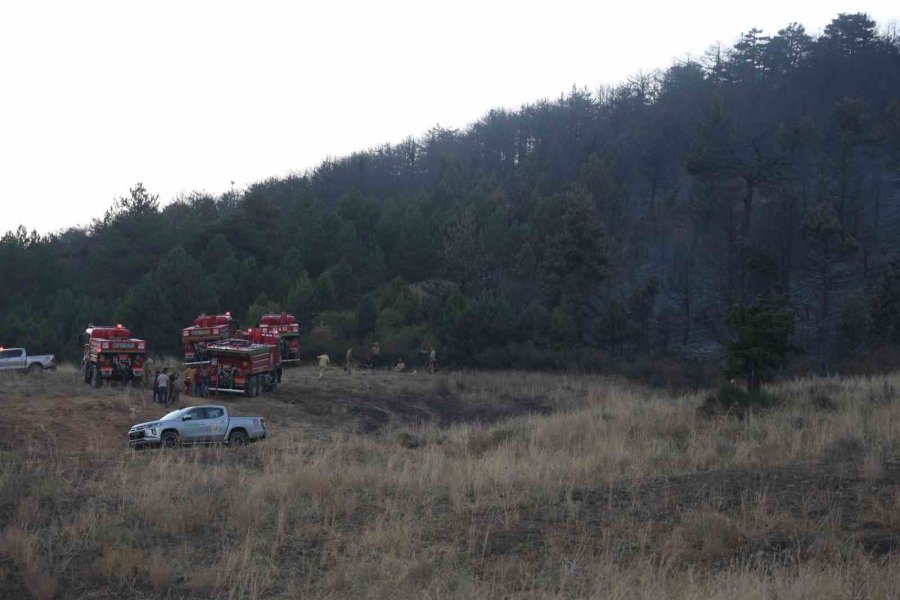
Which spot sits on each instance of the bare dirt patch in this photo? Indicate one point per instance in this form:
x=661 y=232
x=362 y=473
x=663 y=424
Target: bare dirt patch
x=367 y=401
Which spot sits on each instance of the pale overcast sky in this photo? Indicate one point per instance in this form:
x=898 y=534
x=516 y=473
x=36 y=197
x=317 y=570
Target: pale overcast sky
x=191 y=95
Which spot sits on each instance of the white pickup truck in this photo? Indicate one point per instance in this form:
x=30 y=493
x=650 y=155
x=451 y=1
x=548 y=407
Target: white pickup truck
x=197 y=425
x=16 y=359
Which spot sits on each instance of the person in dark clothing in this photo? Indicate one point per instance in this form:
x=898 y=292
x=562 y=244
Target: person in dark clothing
x=199 y=382
x=174 y=390
x=156 y=386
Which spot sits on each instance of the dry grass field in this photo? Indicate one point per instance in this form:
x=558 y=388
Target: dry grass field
x=464 y=485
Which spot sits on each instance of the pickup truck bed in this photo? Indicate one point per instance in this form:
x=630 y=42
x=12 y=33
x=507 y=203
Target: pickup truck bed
x=16 y=359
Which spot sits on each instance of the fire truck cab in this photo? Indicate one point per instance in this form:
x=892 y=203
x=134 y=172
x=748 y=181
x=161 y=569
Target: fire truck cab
x=287 y=329
x=206 y=329
x=111 y=353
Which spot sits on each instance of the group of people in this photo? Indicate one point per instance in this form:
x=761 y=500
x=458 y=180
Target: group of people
x=165 y=387
x=167 y=391
x=196 y=381
x=372 y=360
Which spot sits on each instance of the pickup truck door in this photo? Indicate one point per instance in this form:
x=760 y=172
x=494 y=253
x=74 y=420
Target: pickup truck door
x=193 y=425
x=217 y=424
x=5 y=361
x=11 y=360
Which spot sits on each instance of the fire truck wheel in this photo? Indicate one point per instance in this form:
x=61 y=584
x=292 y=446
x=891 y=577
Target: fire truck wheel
x=86 y=372
x=95 y=377
x=169 y=439
x=256 y=386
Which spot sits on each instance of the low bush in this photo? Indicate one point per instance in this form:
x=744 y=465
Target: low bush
x=736 y=402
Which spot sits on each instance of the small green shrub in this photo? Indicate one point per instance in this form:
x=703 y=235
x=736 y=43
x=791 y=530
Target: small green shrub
x=736 y=402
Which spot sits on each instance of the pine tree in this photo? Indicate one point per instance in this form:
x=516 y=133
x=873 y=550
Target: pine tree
x=762 y=333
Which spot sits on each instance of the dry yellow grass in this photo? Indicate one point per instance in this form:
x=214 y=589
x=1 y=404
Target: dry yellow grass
x=617 y=491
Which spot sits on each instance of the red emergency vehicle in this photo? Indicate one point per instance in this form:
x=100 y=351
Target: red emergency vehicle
x=206 y=329
x=285 y=326
x=111 y=353
x=245 y=366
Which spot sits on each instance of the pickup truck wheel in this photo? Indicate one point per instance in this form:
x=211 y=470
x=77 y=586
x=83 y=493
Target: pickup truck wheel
x=238 y=439
x=169 y=439
x=35 y=369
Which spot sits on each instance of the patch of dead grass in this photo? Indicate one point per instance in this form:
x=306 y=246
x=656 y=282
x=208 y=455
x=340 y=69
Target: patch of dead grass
x=476 y=509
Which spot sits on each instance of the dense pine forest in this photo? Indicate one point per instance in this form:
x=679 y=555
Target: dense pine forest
x=616 y=227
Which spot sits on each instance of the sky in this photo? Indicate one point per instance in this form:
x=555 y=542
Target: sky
x=193 y=95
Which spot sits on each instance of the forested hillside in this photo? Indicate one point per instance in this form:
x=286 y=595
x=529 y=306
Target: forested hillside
x=595 y=228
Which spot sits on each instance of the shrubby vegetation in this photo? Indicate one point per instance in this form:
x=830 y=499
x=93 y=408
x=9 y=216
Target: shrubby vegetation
x=621 y=224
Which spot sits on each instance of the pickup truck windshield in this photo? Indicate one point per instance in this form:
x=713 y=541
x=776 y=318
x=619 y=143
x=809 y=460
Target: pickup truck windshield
x=174 y=414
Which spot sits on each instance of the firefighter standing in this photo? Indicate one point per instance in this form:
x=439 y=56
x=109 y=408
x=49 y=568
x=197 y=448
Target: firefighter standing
x=163 y=385
x=171 y=389
x=174 y=390
x=430 y=358
x=348 y=360
x=206 y=378
x=156 y=386
x=376 y=353
x=199 y=382
x=190 y=376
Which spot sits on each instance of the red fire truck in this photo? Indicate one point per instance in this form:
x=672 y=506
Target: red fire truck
x=245 y=366
x=285 y=326
x=206 y=329
x=111 y=353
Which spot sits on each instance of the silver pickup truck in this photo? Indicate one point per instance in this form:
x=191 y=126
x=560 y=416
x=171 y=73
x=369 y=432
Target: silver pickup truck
x=16 y=359
x=197 y=425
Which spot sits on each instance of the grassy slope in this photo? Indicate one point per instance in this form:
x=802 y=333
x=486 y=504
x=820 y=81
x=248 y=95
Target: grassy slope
x=461 y=485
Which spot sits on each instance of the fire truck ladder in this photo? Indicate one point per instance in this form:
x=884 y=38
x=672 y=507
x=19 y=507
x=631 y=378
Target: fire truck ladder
x=227 y=390
x=199 y=362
